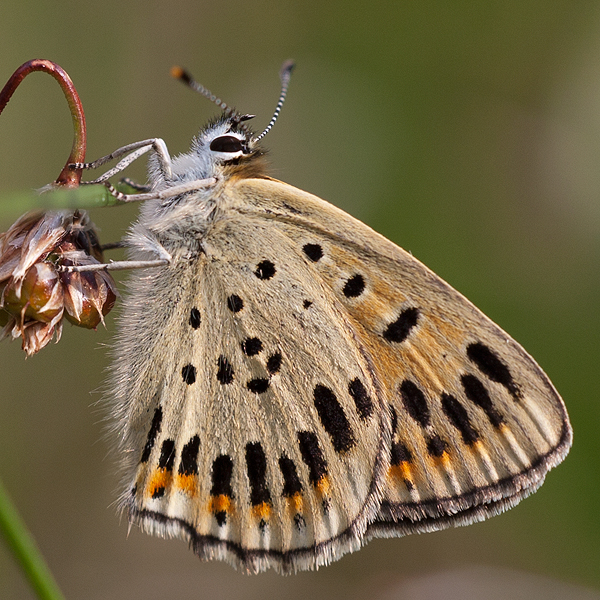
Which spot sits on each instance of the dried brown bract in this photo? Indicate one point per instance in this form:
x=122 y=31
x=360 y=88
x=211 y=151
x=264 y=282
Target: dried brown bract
x=35 y=293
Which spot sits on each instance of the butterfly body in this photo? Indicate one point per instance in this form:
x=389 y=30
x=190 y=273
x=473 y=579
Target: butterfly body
x=292 y=383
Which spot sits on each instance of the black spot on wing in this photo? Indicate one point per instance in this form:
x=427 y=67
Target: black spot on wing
x=313 y=251
x=354 y=287
x=252 y=346
x=399 y=454
x=195 y=319
x=152 y=433
x=490 y=364
x=256 y=464
x=259 y=385
x=265 y=270
x=333 y=419
x=312 y=455
x=476 y=393
x=167 y=455
x=224 y=370
x=291 y=481
x=299 y=522
x=274 y=363
x=222 y=468
x=235 y=303
x=397 y=331
x=458 y=416
x=188 y=373
x=158 y=492
x=436 y=446
x=189 y=457
x=362 y=400
x=415 y=403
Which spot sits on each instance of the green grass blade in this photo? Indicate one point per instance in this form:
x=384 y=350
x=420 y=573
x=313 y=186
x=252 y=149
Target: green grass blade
x=25 y=550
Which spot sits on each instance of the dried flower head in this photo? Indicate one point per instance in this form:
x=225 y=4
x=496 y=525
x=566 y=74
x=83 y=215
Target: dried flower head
x=35 y=293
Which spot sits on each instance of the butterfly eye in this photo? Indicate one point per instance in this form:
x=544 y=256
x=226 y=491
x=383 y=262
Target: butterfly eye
x=226 y=143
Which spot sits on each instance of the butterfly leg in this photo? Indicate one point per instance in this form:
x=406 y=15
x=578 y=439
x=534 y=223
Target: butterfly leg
x=163 y=258
x=117 y=265
x=133 y=152
x=140 y=187
x=170 y=192
x=113 y=246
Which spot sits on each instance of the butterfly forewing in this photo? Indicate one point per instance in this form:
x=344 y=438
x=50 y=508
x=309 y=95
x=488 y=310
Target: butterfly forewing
x=268 y=434
x=475 y=422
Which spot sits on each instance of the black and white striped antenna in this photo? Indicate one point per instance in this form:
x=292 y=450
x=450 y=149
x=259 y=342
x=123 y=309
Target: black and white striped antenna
x=285 y=75
x=183 y=75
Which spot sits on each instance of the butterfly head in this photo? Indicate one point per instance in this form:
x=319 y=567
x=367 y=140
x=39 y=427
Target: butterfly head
x=227 y=146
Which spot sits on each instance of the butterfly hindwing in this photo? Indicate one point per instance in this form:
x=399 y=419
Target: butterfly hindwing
x=268 y=434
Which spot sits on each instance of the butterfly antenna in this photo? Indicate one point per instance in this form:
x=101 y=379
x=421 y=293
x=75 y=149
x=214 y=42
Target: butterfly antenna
x=285 y=75
x=183 y=75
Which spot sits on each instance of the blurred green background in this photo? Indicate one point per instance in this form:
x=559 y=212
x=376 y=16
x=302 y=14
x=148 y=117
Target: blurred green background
x=468 y=133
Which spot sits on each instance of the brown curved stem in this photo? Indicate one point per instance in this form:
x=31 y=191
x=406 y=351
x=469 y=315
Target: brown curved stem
x=68 y=177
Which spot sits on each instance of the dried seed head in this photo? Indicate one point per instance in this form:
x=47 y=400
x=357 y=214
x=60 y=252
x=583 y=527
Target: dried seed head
x=38 y=296
x=36 y=335
x=35 y=294
x=88 y=296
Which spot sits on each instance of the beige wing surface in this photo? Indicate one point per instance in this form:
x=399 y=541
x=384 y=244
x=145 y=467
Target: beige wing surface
x=476 y=424
x=257 y=434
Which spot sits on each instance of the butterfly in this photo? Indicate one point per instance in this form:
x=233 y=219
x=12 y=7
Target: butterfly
x=288 y=384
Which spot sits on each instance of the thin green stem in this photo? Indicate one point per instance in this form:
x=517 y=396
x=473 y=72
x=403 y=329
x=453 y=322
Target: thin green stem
x=25 y=550
x=12 y=205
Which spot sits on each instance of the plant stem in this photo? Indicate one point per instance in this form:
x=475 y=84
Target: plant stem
x=67 y=177
x=25 y=550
